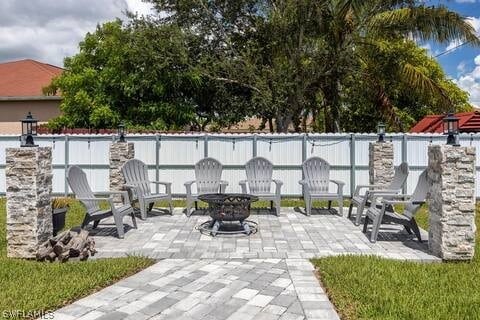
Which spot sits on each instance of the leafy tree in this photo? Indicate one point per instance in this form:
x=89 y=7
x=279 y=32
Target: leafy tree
x=356 y=31
x=344 y=63
x=301 y=57
x=132 y=73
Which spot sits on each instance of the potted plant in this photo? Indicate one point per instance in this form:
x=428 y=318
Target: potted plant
x=59 y=210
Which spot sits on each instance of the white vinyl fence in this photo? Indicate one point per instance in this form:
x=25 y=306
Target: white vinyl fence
x=171 y=157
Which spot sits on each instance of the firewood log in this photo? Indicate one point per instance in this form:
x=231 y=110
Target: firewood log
x=59 y=237
x=78 y=243
x=51 y=256
x=60 y=247
x=84 y=254
x=64 y=256
x=43 y=251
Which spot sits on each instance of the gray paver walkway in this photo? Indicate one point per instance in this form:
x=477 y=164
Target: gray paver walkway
x=263 y=276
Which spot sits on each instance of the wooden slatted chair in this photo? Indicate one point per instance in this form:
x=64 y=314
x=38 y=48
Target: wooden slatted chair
x=77 y=180
x=135 y=173
x=208 y=179
x=316 y=184
x=361 y=201
x=385 y=212
x=259 y=181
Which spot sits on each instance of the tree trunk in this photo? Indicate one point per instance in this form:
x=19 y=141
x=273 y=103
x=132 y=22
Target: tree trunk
x=283 y=122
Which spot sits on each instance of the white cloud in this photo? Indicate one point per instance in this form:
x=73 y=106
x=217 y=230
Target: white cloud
x=465 y=1
x=50 y=30
x=475 y=22
x=461 y=68
x=470 y=82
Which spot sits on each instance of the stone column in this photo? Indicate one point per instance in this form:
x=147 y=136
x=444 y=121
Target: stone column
x=451 y=174
x=28 y=177
x=380 y=163
x=120 y=152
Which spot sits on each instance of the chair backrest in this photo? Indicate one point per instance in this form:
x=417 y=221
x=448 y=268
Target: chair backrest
x=259 y=175
x=419 y=194
x=316 y=172
x=208 y=174
x=399 y=178
x=135 y=173
x=77 y=180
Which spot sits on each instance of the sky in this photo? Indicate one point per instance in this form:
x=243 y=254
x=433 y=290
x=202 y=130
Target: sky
x=49 y=30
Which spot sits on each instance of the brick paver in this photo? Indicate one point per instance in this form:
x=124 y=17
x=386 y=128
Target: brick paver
x=263 y=276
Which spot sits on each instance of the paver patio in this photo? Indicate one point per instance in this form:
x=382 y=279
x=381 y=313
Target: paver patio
x=263 y=276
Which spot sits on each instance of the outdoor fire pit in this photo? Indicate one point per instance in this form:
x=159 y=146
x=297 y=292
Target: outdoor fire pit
x=229 y=214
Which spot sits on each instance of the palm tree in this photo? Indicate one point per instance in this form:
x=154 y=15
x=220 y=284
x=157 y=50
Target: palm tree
x=353 y=29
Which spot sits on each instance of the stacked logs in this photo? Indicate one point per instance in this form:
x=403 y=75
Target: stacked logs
x=66 y=245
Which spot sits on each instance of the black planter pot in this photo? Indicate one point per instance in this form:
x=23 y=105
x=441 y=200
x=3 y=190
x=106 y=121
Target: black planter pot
x=58 y=219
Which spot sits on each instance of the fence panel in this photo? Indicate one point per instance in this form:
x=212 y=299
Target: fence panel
x=171 y=157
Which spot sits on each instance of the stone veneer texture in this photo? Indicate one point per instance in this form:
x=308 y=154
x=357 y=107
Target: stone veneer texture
x=29 y=185
x=381 y=168
x=451 y=174
x=120 y=152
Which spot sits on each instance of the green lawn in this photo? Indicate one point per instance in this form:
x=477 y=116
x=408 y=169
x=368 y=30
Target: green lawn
x=375 y=288
x=32 y=286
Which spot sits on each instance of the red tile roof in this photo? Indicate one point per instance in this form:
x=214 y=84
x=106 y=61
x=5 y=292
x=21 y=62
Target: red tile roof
x=25 y=78
x=468 y=122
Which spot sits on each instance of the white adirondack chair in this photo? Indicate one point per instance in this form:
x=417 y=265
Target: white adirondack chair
x=316 y=184
x=135 y=173
x=259 y=181
x=77 y=180
x=385 y=212
x=363 y=200
x=208 y=179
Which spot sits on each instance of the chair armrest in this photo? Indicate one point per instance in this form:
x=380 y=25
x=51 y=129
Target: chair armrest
x=188 y=186
x=94 y=199
x=161 y=182
x=136 y=192
x=340 y=185
x=243 y=184
x=168 y=186
x=393 y=202
x=189 y=183
x=126 y=198
x=279 y=184
x=384 y=191
x=223 y=186
x=365 y=186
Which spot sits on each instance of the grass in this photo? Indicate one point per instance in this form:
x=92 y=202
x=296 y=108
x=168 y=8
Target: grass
x=30 y=286
x=363 y=287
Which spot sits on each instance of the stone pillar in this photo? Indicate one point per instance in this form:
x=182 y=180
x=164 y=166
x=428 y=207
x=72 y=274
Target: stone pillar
x=380 y=163
x=451 y=175
x=120 y=152
x=28 y=177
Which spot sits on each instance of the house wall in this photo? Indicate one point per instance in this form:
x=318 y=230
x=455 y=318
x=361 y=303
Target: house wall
x=12 y=111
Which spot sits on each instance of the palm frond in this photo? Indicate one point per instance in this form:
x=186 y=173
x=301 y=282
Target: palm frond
x=426 y=23
x=416 y=78
x=387 y=109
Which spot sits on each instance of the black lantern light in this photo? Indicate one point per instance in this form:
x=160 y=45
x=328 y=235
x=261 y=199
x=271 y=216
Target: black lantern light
x=381 y=132
x=121 y=132
x=29 y=129
x=450 y=128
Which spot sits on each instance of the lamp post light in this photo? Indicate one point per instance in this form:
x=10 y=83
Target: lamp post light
x=121 y=132
x=450 y=129
x=381 y=132
x=29 y=129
